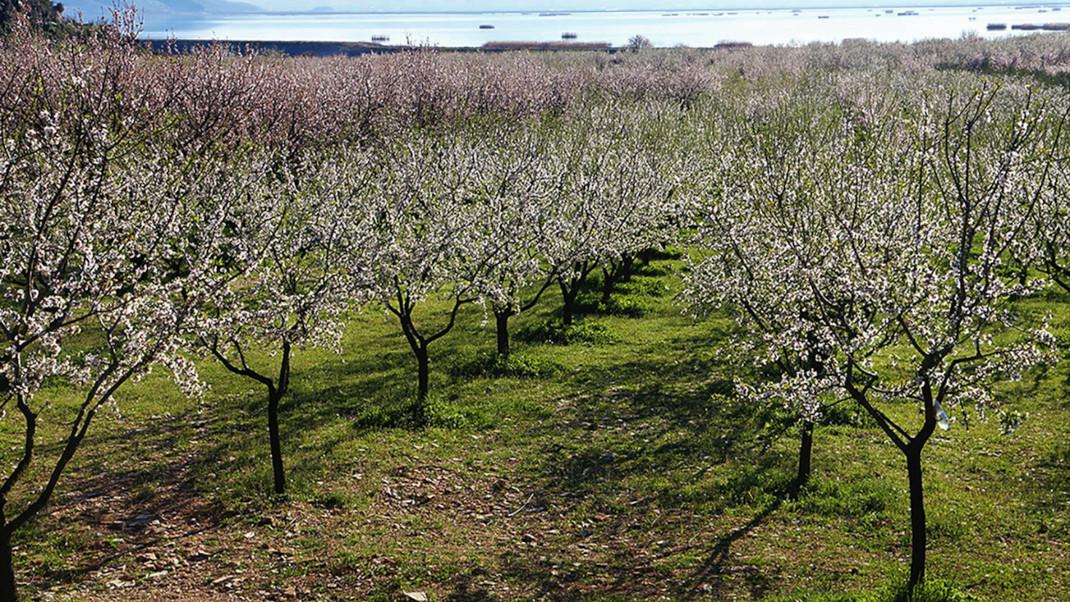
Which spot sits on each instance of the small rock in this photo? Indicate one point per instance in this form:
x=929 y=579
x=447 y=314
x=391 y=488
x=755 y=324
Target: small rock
x=119 y=583
x=140 y=521
x=200 y=554
x=222 y=579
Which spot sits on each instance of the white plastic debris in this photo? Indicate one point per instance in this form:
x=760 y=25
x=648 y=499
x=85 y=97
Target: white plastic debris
x=942 y=419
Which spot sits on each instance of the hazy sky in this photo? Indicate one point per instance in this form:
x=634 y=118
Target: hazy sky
x=91 y=7
x=522 y=5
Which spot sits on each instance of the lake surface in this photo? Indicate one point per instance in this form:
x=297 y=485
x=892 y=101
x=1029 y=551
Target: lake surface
x=690 y=28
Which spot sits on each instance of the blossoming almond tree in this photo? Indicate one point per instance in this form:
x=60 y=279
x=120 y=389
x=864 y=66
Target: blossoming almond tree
x=621 y=170
x=983 y=155
x=428 y=210
x=585 y=158
x=572 y=225
x=766 y=171
x=515 y=192
x=900 y=273
x=305 y=261
x=648 y=186
x=104 y=251
x=1052 y=224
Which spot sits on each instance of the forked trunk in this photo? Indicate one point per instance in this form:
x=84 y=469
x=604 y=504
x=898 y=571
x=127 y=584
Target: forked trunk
x=570 y=290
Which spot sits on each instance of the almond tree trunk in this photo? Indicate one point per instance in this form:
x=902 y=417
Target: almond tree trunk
x=423 y=377
x=917 y=518
x=501 y=322
x=806 y=448
x=277 y=469
x=8 y=590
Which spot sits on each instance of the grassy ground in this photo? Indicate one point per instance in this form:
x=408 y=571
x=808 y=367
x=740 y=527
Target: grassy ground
x=615 y=467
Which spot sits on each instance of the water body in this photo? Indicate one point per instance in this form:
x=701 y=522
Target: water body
x=689 y=28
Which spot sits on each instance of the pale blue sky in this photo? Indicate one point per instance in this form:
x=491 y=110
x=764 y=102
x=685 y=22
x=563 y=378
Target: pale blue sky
x=149 y=7
x=212 y=19
x=522 y=5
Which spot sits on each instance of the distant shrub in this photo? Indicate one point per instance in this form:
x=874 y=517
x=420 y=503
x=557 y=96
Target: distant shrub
x=446 y=414
x=830 y=497
x=330 y=500
x=553 y=333
x=669 y=252
x=517 y=366
x=631 y=306
x=383 y=416
x=638 y=42
x=644 y=285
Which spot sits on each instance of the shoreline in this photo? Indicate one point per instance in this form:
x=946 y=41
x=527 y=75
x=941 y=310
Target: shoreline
x=355 y=49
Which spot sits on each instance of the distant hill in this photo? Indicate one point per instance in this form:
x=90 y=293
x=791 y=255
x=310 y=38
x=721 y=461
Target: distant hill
x=160 y=9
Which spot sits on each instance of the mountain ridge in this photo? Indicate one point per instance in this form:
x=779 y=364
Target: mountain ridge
x=92 y=10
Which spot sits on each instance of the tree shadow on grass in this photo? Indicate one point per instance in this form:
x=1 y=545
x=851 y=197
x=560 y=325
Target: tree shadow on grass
x=466 y=590
x=709 y=578
x=625 y=429
x=159 y=492
x=1049 y=489
x=621 y=425
x=625 y=422
x=629 y=573
x=147 y=501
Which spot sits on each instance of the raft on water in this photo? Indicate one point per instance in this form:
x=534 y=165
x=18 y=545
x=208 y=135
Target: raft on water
x=1040 y=27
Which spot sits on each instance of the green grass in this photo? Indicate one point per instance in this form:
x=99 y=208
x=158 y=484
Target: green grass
x=605 y=461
